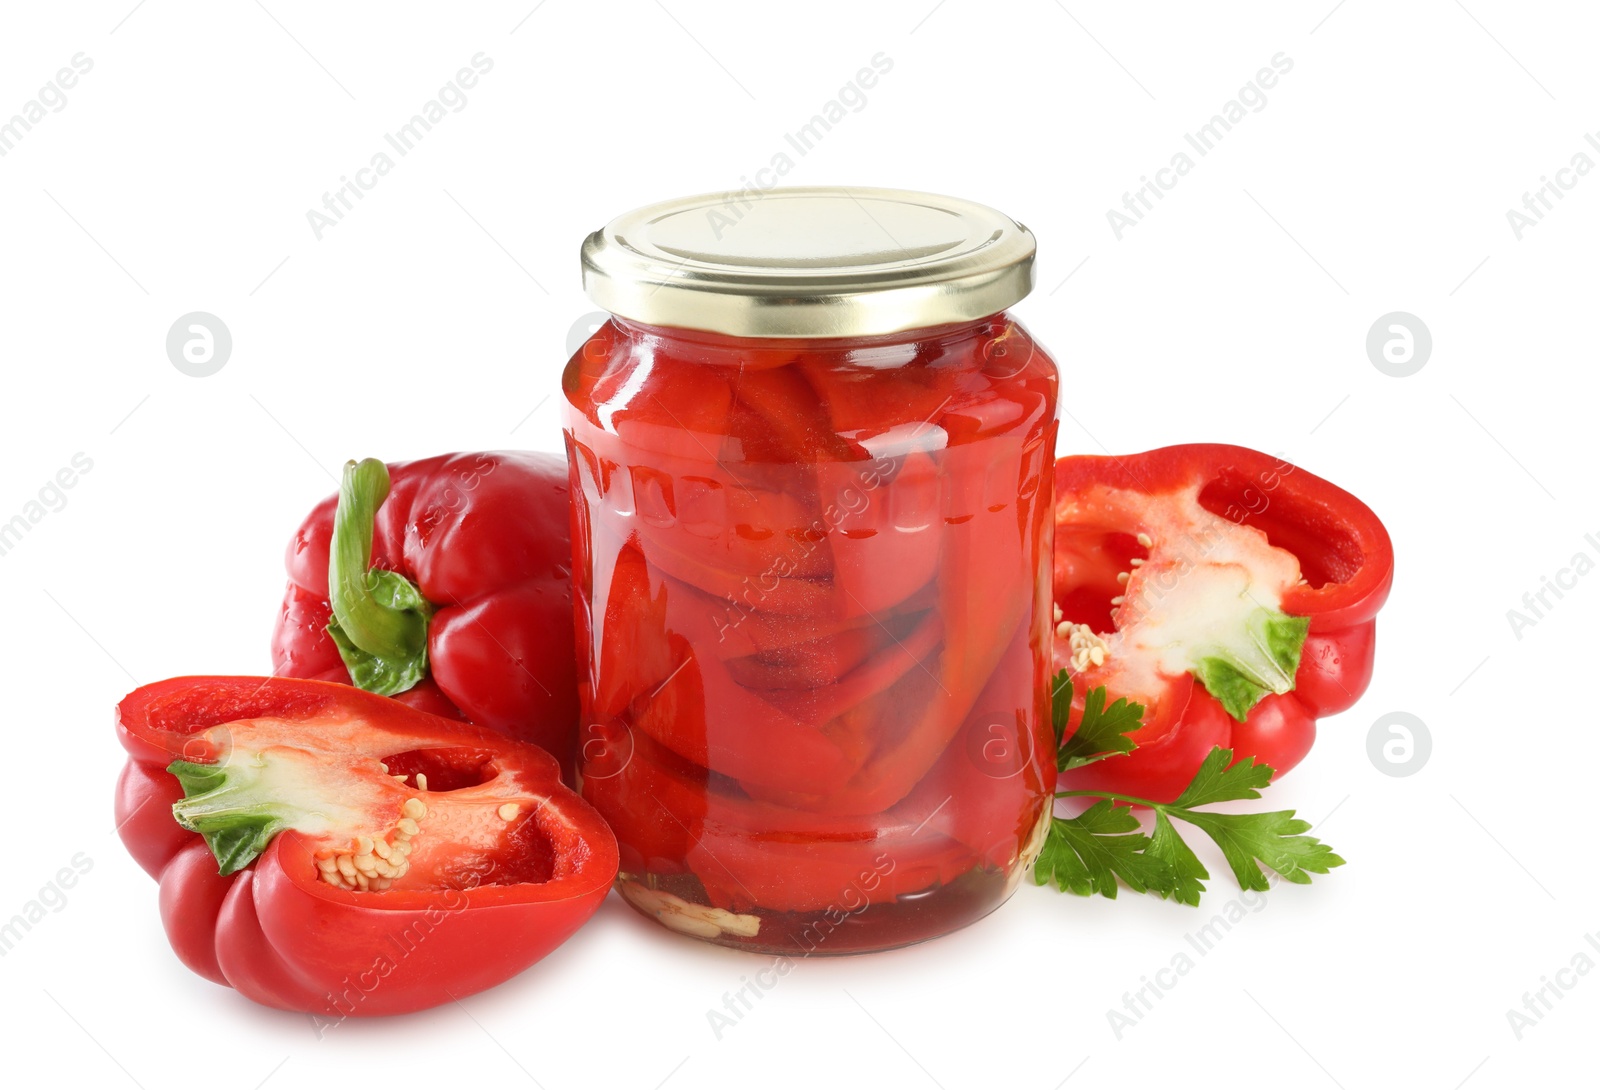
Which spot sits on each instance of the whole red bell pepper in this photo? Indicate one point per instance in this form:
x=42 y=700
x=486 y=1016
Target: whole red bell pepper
x=1231 y=593
x=444 y=582
x=323 y=849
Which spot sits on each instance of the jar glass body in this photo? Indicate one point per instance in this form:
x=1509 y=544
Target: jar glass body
x=812 y=584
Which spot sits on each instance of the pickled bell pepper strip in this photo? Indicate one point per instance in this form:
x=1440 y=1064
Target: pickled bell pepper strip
x=804 y=735
x=311 y=839
x=749 y=853
x=907 y=646
x=455 y=571
x=668 y=689
x=984 y=594
x=732 y=631
x=991 y=773
x=789 y=416
x=862 y=402
x=809 y=664
x=786 y=595
x=784 y=748
x=799 y=750
x=626 y=638
x=686 y=415
x=1230 y=592
x=736 y=527
x=887 y=535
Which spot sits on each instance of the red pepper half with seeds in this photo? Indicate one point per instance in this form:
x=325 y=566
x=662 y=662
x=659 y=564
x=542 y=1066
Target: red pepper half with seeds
x=324 y=849
x=445 y=583
x=1231 y=593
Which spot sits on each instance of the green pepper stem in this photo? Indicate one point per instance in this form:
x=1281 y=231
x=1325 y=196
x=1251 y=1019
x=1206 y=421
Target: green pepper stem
x=381 y=630
x=228 y=806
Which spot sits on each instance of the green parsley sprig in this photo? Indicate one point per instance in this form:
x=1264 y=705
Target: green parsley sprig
x=1106 y=844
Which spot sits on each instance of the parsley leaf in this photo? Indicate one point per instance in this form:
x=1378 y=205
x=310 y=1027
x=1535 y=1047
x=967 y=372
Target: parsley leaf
x=1214 y=781
x=1090 y=853
x=1273 y=838
x=1188 y=873
x=1101 y=731
x=1060 y=703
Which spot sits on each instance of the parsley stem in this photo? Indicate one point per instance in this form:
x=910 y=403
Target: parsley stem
x=1163 y=806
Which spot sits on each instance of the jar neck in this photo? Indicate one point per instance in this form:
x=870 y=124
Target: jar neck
x=879 y=351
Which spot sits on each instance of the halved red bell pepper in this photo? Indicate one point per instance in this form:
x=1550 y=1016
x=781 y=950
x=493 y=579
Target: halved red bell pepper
x=446 y=583
x=324 y=849
x=1230 y=592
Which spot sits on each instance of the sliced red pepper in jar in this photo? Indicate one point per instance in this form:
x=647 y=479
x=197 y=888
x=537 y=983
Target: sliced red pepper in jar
x=814 y=627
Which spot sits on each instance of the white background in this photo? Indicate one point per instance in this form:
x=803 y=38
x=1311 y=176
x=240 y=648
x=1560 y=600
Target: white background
x=434 y=317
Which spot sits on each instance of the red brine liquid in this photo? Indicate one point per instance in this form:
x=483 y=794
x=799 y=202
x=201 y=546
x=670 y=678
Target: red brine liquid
x=813 y=597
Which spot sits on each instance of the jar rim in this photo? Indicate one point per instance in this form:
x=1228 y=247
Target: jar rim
x=808 y=262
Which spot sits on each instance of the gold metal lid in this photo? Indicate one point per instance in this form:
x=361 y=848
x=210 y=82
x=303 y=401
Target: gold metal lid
x=818 y=261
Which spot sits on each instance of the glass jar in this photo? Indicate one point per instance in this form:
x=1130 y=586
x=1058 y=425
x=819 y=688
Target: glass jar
x=811 y=464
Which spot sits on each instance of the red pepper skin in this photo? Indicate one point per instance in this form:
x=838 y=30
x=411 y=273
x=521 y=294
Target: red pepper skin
x=485 y=538
x=145 y=794
x=1345 y=555
x=283 y=938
